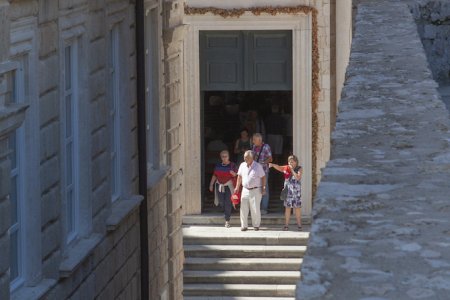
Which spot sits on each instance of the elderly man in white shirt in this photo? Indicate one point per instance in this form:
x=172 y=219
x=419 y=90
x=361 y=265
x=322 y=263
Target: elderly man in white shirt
x=252 y=177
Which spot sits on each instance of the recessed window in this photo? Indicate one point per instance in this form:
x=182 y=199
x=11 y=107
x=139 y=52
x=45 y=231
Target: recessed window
x=16 y=195
x=152 y=89
x=70 y=141
x=114 y=120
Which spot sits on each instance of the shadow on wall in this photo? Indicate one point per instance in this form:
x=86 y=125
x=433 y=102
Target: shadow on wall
x=433 y=23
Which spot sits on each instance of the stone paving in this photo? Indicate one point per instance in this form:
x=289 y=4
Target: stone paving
x=381 y=218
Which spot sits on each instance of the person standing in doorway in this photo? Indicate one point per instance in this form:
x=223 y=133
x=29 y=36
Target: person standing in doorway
x=251 y=176
x=292 y=182
x=241 y=145
x=263 y=156
x=222 y=182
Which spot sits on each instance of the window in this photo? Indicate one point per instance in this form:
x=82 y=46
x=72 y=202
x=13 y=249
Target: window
x=152 y=88
x=70 y=141
x=114 y=120
x=16 y=157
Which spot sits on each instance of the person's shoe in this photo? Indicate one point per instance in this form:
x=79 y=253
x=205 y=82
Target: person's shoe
x=285 y=228
x=243 y=228
x=227 y=224
x=263 y=212
x=256 y=228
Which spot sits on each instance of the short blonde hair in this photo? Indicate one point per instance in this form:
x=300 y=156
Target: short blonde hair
x=294 y=158
x=224 y=152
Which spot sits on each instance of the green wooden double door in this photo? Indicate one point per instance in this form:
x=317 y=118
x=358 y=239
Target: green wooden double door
x=245 y=60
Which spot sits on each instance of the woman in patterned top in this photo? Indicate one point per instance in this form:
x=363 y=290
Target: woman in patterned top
x=292 y=181
x=224 y=181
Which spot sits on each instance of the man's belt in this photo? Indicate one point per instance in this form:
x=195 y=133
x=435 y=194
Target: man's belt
x=253 y=188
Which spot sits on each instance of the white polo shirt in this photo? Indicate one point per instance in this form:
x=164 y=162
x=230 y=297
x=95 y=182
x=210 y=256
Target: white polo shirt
x=251 y=176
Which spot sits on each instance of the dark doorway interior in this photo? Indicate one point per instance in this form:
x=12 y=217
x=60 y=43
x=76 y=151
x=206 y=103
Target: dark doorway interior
x=226 y=113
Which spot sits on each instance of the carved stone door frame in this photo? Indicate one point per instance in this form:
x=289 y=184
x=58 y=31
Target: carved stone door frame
x=300 y=25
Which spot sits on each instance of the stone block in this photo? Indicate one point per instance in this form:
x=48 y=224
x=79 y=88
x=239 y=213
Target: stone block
x=101 y=197
x=51 y=238
x=5 y=215
x=100 y=141
x=50 y=205
x=48 y=74
x=23 y=9
x=4 y=249
x=4 y=32
x=50 y=266
x=70 y=4
x=99 y=113
x=97 y=24
x=5 y=182
x=49 y=173
x=49 y=141
x=103 y=249
x=98 y=54
x=49 y=107
x=48 y=11
x=49 y=38
x=100 y=169
x=4 y=286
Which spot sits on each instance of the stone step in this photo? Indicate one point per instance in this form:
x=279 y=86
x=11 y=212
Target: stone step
x=242 y=277
x=237 y=298
x=246 y=290
x=193 y=235
x=218 y=219
x=244 y=264
x=244 y=251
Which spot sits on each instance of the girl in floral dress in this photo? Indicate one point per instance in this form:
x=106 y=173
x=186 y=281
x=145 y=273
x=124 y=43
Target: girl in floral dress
x=292 y=182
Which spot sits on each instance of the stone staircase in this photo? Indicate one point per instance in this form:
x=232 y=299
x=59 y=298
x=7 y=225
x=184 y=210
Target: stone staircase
x=225 y=263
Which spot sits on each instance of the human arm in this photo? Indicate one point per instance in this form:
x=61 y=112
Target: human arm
x=263 y=185
x=211 y=183
x=297 y=175
x=238 y=184
x=276 y=167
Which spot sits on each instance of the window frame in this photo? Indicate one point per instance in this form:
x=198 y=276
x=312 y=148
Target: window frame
x=114 y=111
x=154 y=114
x=74 y=211
x=17 y=97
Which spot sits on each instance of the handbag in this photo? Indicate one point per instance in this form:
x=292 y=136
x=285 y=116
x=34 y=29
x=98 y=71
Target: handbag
x=284 y=193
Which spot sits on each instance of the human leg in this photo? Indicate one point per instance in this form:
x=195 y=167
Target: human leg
x=265 y=197
x=287 y=216
x=244 y=208
x=298 y=216
x=254 y=203
x=227 y=204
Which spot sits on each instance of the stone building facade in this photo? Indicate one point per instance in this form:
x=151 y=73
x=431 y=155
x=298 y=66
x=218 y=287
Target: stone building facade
x=72 y=222
x=70 y=225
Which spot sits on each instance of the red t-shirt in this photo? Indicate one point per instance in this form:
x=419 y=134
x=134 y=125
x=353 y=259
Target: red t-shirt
x=223 y=172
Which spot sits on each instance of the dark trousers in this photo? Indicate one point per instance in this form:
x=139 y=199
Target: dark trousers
x=225 y=201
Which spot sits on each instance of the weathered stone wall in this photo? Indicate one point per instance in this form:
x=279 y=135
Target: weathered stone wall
x=104 y=259
x=433 y=23
x=380 y=219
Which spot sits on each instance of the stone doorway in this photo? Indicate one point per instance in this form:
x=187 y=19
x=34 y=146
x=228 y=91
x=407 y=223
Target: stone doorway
x=300 y=26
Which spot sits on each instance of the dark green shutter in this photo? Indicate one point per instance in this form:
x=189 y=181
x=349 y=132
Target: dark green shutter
x=245 y=60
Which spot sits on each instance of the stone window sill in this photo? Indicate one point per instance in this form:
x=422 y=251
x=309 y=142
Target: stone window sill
x=154 y=177
x=121 y=209
x=34 y=292
x=77 y=254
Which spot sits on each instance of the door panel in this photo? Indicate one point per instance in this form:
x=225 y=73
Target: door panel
x=245 y=60
x=221 y=61
x=269 y=60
